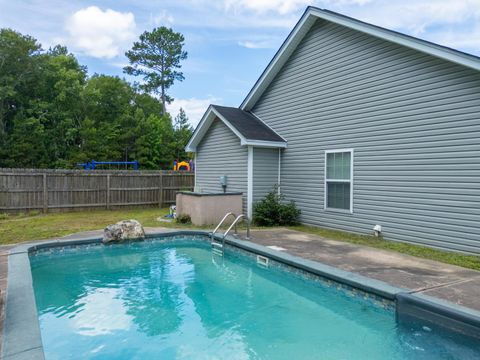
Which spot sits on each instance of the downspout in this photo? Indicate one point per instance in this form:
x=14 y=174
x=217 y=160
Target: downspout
x=250 y=182
x=195 y=171
x=279 y=169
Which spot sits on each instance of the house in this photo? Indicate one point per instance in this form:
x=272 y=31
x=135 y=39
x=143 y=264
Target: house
x=361 y=126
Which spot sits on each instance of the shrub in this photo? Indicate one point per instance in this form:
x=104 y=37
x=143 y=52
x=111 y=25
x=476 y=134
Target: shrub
x=272 y=210
x=183 y=219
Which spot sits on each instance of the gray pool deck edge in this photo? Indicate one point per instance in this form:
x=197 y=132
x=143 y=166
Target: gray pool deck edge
x=22 y=339
x=354 y=280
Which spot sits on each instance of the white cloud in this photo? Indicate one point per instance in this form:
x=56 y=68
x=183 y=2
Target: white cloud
x=101 y=34
x=417 y=15
x=261 y=6
x=164 y=18
x=119 y=64
x=467 y=40
x=451 y=23
x=260 y=43
x=194 y=108
x=348 y=2
x=447 y=22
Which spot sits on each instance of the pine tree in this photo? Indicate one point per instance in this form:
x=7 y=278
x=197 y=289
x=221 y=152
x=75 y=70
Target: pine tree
x=182 y=131
x=157 y=58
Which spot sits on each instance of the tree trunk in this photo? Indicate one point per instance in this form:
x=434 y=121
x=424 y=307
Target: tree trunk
x=164 y=110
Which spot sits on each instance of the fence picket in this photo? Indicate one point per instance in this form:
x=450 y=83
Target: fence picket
x=64 y=190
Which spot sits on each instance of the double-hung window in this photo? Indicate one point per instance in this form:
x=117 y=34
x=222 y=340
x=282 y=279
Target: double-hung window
x=339 y=179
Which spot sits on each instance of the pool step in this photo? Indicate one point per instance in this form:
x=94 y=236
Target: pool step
x=217 y=248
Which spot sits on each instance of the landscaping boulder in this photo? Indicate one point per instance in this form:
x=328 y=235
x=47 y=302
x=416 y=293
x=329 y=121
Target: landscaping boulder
x=123 y=230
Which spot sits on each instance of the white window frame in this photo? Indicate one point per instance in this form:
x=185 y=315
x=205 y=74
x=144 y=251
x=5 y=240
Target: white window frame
x=350 y=181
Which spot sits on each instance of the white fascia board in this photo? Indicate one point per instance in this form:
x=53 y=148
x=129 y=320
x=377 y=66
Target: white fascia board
x=401 y=39
x=312 y=14
x=203 y=126
x=287 y=48
x=264 y=144
x=190 y=148
x=201 y=130
x=207 y=120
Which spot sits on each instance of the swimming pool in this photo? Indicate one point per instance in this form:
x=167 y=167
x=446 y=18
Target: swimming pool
x=172 y=298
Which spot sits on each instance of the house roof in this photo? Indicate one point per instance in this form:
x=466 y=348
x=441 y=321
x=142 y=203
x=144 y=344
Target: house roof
x=312 y=14
x=249 y=128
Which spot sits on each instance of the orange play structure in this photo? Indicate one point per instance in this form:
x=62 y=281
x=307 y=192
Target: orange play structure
x=182 y=166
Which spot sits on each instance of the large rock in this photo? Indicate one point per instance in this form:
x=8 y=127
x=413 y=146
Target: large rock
x=123 y=230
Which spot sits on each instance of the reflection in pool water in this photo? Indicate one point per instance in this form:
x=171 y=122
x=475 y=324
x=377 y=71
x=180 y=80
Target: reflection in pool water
x=175 y=300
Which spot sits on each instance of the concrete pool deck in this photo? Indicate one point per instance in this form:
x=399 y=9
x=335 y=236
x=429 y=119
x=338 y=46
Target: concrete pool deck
x=450 y=283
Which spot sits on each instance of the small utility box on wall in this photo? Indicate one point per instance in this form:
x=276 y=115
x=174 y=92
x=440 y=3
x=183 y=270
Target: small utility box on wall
x=223 y=182
x=208 y=209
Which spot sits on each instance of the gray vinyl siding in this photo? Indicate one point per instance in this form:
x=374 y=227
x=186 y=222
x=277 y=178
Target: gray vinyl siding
x=219 y=153
x=413 y=121
x=265 y=171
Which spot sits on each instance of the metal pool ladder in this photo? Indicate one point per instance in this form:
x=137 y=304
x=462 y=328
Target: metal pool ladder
x=218 y=247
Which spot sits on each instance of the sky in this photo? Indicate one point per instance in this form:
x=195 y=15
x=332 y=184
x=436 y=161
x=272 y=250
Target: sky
x=229 y=42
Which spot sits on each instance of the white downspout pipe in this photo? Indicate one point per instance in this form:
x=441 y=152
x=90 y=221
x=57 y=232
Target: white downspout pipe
x=250 y=183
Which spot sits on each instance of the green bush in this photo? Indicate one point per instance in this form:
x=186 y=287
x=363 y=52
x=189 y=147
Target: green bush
x=183 y=219
x=272 y=210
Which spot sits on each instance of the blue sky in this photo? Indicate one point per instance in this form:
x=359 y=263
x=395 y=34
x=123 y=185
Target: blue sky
x=229 y=41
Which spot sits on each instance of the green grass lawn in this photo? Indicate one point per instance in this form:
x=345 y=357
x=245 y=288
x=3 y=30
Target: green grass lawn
x=19 y=228
x=27 y=227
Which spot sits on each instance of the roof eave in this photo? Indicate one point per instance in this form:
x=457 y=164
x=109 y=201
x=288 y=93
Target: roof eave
x=265 y=144
x=309 y=18
x=204 y=125
x=285 y=50
x=207 y=120
x=199 y=131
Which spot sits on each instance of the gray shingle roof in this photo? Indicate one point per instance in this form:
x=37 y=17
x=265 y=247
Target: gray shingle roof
x=248 y=124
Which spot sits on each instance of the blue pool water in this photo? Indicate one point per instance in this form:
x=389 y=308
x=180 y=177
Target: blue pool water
x=175 y=300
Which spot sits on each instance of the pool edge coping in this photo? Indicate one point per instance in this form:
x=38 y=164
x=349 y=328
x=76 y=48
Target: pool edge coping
x=442 y=309
x=24 y=340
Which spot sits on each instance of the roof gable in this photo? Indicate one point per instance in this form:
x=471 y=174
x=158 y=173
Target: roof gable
x=248 y=124
x=312 y=14
x=247 y=127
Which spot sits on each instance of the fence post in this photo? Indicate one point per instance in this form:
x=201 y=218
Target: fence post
x=160 y=190
x=108 y=192
x=45 y=193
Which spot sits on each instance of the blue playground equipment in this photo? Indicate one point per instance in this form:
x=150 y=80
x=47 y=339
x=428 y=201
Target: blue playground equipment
x=91 y=165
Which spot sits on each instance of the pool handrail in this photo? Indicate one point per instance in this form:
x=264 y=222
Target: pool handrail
x=216 y=245
x=222 y=221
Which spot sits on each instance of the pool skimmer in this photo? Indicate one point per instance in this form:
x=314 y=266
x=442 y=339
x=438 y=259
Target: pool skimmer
x=262 y=260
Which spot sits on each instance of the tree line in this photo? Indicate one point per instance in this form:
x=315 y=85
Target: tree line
x=53 y=115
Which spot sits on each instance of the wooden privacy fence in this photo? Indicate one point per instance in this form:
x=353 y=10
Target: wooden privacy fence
x=64 y=190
